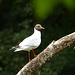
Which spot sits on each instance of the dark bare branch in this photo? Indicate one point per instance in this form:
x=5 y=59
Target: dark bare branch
x=49 y=52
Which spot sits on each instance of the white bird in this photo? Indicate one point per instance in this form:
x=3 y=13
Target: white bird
x=31 y=42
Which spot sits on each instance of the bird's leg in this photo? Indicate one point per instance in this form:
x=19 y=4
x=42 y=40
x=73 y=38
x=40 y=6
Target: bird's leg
x=34 y=53
x=29 y=56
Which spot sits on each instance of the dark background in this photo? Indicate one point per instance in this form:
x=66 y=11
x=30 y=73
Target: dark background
x=17 y=19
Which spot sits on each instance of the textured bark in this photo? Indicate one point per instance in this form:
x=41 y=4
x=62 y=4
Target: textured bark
x=50 y=51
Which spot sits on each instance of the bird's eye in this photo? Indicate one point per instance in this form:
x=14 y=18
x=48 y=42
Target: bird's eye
x=38 y=26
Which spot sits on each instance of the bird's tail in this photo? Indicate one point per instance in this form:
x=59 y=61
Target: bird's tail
x=13 y=48
x=16 y=48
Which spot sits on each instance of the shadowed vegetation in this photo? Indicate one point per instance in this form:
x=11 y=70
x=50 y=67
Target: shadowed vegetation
x=18 y=18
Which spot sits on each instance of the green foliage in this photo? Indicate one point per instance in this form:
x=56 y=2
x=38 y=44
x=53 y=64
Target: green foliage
x=17 y=20
x=44 y=8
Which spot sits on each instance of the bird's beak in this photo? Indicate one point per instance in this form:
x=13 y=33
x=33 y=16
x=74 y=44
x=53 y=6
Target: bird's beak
x=42 y=28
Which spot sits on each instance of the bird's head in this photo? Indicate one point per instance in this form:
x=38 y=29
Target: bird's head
x=39 y=27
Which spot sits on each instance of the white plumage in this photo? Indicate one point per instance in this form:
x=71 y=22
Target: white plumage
x=31 y=42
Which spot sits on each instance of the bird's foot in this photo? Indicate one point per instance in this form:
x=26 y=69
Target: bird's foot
x=30 y=60
x=35 y=56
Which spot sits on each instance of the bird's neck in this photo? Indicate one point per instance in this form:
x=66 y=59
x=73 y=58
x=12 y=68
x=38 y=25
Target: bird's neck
x=37 y=32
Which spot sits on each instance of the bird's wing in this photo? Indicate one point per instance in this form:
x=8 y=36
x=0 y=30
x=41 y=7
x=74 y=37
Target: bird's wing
x=30 y=41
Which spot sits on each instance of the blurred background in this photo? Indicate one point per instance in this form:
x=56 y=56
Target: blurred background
x=17 y=19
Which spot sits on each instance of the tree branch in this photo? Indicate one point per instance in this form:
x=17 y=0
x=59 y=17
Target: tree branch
x=50 y=51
